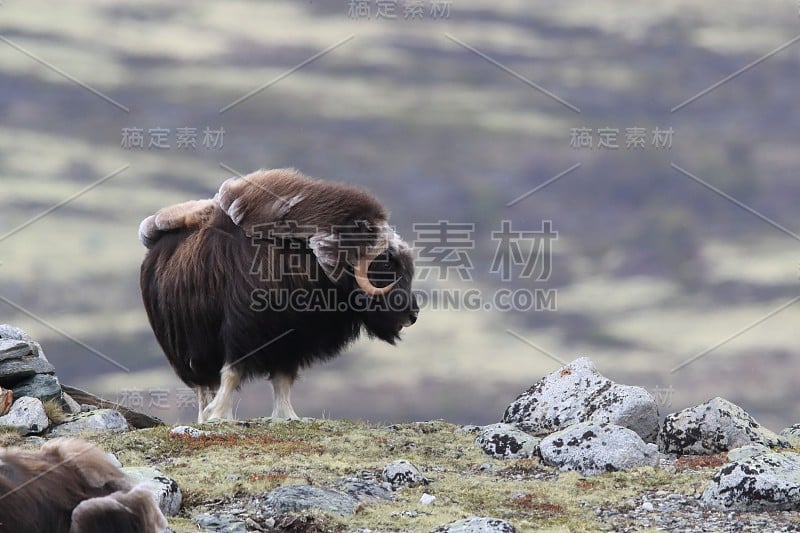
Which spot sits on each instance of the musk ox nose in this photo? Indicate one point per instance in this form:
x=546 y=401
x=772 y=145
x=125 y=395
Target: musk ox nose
x=412 y=319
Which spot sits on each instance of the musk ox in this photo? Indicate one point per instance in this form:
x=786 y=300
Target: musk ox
x=70 y=485
x=277 y=271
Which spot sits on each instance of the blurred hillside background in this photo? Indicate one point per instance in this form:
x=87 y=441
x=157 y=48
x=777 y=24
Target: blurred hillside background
x=448 y=111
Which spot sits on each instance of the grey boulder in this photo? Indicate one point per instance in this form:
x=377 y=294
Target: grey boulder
x=27 y=415
x=476 y=524
x=403 y=474
x=364 y=490
x=91 y=421
x=792 y=434
x=223 y=523
x=713 y=427
x=758 y=479
x=576 y=393
x=42 y=386
x=165 y=491
x=591 y=449
x=295 y=498
x=505 y=441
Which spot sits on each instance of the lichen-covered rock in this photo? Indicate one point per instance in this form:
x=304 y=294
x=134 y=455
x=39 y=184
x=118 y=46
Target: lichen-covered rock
x=294 y=498
x=223 y=523
x=576 y=393
x=792 y=434
x=761 y=480
x=476 y=525
x=165 y=491
x=188 y=431
x=403 y=474
x=28 y=415
x=505 y=441
x=364 y=490
x=591 y=449
x=42 y=386
x=713 y=427
x=91 y=421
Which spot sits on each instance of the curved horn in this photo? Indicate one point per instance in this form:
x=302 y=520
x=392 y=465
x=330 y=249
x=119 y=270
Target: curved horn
x=361 y=268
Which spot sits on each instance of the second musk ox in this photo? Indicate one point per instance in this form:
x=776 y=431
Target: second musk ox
x=277 y=271
x=71 y=486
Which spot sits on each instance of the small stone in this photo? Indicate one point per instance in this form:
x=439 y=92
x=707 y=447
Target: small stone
x=91 y=421
x=70 y=405
x=504 y=441
x=592 y=449
x=647 y=507
x=476 y=525
x=188 y=431
x=298 y=498
x=403 y=474
x=427 y=499
x=28 y=415
x=35 y=441
x=468 y=429
x=165 y=490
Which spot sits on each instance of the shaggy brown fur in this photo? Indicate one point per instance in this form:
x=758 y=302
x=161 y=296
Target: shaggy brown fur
x=272 y=230
x=70 y=485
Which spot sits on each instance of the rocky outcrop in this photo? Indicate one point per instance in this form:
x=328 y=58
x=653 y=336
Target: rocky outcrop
x=576 y=393
x=24 y=367
x=712 y=427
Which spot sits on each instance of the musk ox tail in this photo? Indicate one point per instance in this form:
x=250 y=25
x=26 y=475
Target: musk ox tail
x=188 y=215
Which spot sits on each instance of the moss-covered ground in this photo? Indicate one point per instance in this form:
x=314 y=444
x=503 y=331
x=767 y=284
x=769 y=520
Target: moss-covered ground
x=243 y=460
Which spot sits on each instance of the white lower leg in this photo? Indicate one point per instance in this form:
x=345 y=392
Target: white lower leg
x=204 y=396
x=222 y=405
x=281 y=388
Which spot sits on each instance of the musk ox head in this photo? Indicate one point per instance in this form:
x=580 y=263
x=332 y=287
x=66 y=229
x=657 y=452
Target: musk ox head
x=343 y=228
